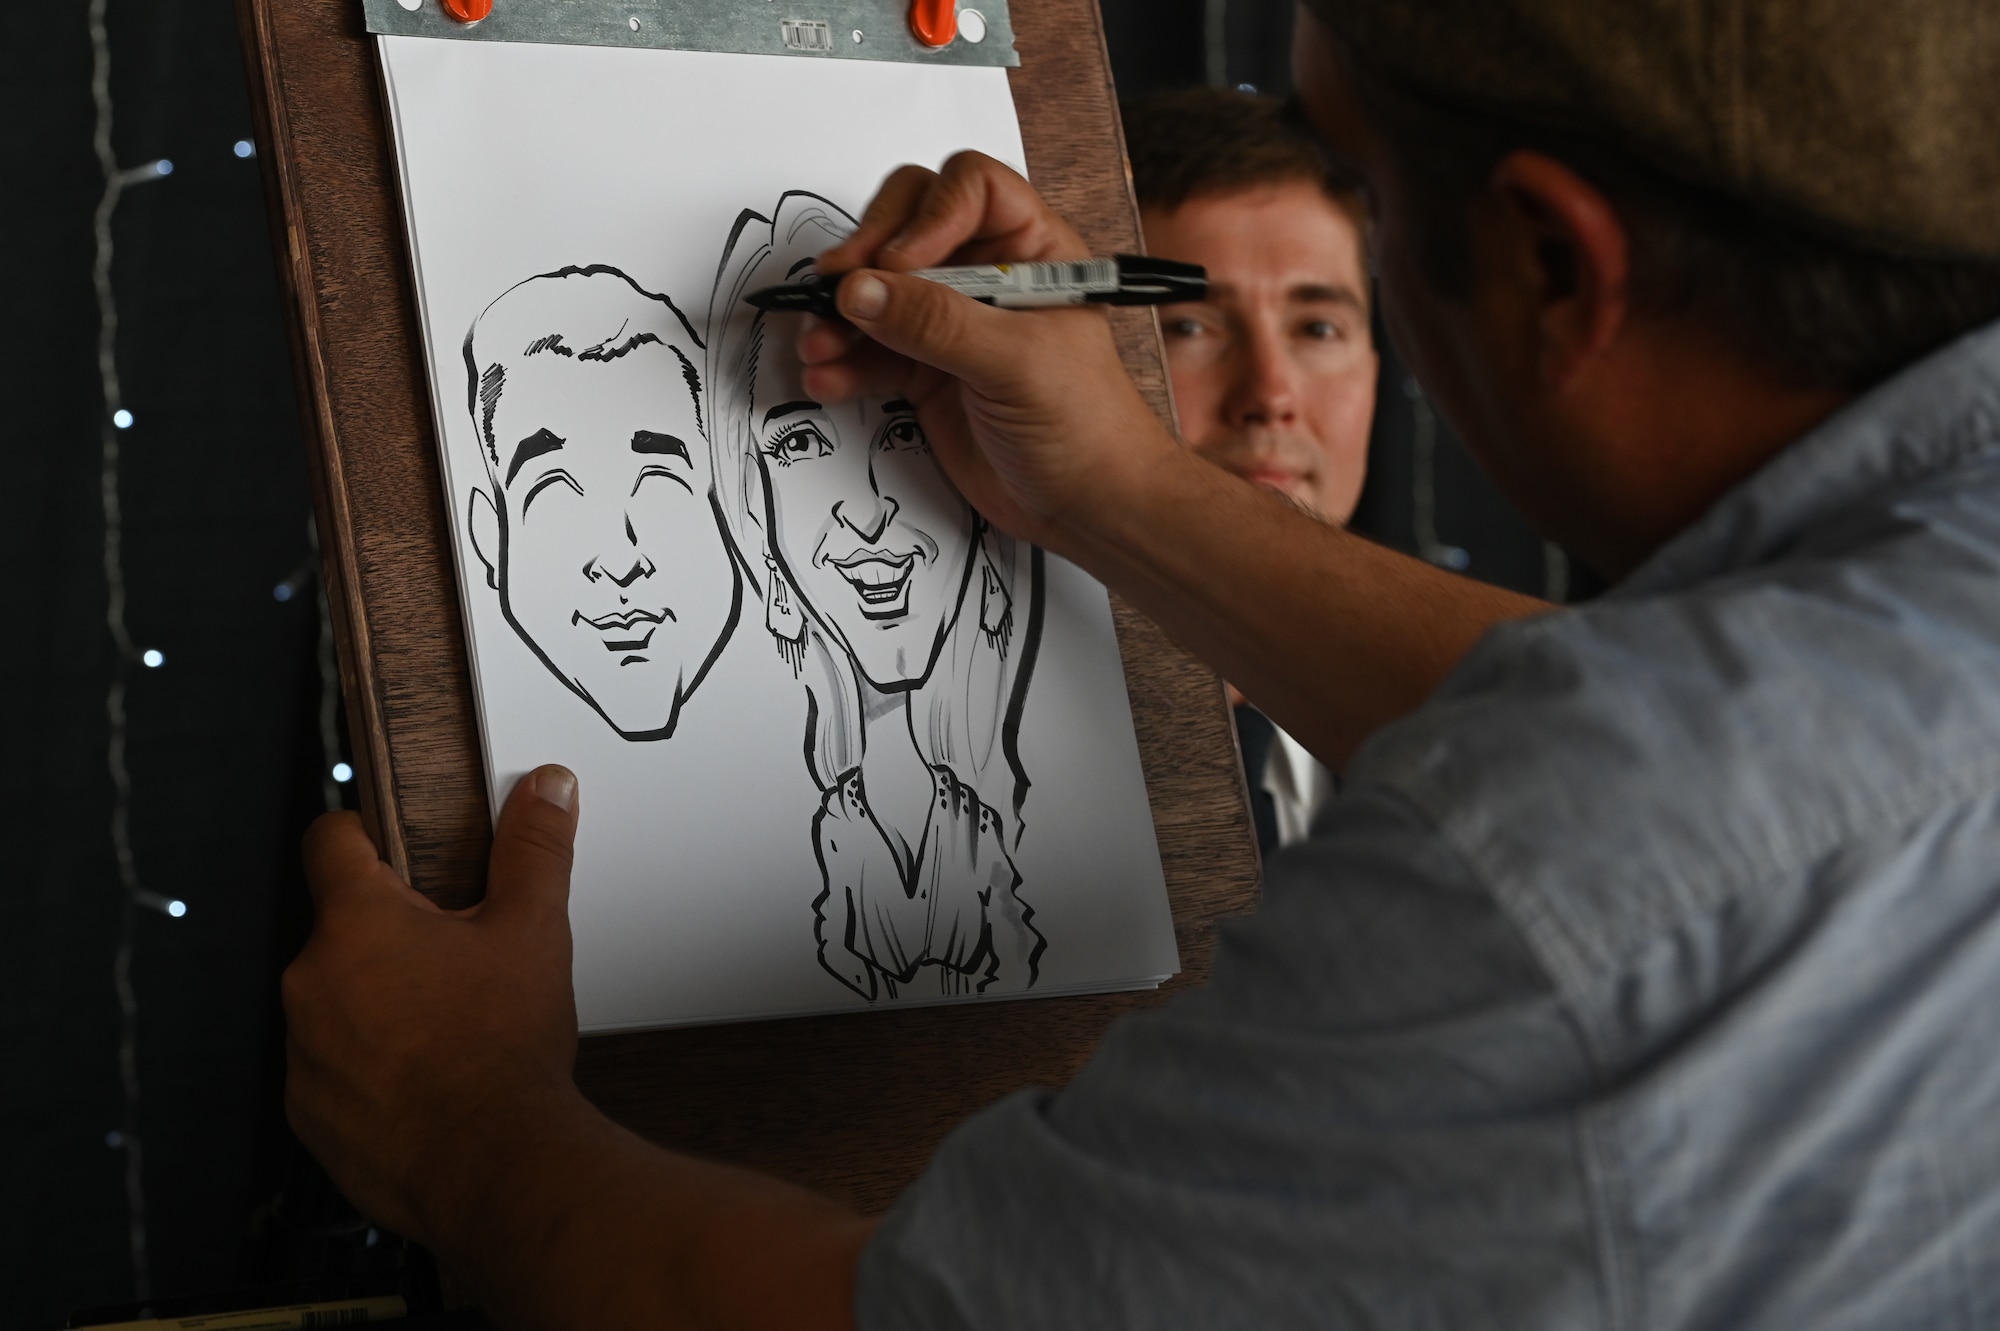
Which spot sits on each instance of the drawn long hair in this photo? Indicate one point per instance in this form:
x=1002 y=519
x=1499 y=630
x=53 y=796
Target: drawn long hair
x=966 y=715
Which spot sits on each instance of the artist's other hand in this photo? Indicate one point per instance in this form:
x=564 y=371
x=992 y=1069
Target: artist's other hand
x=411 y=1027
x=1030 y=411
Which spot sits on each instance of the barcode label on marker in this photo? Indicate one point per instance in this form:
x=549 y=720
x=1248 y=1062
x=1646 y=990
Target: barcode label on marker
x=1089 y=274
x=1020 y=284
x=806 y=34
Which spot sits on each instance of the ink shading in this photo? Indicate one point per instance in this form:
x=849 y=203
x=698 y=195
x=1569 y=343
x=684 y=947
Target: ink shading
x=913 y=627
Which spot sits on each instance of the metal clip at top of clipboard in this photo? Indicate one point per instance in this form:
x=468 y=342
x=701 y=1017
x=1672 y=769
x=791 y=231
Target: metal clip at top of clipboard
x=973 y=32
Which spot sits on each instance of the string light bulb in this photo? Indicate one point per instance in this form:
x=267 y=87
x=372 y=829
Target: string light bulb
x=294 y=584
x=153 y=658
x=343 y=773
x=117 y=419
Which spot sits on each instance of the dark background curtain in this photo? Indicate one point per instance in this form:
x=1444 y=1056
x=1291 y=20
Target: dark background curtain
x=229 y=742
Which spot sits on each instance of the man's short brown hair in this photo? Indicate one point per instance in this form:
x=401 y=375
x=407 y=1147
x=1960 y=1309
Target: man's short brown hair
x=1208 y=141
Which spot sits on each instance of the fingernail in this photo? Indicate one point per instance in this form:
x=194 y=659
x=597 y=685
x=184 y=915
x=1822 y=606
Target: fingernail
x=557 y=785
x=865 y=297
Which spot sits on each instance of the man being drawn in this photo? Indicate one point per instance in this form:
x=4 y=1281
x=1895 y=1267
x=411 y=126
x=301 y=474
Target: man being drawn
x=1274 y=373
x=600 y=529
x=1645 y=974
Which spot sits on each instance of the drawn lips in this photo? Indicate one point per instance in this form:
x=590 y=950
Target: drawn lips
x=879 y=580
x=627 y=624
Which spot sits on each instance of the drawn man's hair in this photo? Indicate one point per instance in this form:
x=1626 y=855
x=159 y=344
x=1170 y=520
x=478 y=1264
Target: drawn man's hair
x=581 y=313
x=966 y=717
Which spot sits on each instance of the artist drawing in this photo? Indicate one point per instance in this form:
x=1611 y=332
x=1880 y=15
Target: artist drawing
x=599 y=525
x=912 y=626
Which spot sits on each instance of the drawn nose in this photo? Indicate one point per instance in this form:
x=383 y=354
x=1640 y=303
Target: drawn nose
x=866 y=520
x=636 y=563
x=639 y=567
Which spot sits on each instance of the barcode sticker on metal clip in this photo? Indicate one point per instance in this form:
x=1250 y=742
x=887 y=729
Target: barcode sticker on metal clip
x=806 y=34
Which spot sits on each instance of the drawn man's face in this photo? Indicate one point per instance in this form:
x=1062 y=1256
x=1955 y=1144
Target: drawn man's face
x=612 y=562
x=871 y=533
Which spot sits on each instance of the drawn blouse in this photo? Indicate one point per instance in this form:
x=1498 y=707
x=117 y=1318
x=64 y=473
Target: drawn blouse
x=954 y=909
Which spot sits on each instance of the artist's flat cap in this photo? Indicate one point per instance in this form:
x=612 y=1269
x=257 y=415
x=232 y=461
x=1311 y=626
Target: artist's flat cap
x=1874 y=120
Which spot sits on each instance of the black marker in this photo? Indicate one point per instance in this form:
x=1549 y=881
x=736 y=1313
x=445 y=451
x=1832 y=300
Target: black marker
x=1123 y=279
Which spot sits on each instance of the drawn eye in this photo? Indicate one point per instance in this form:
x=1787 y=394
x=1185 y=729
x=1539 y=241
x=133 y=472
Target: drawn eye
x=657 y=470
x=798 y=443
x=904 y=435
x=548 y=479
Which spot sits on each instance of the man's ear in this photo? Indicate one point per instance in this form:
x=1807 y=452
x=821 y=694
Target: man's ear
x=483 y=521
x=1572 y=251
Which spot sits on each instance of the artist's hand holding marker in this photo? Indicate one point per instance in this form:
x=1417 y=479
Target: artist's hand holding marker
x=1034 y=418
x=1028 y=411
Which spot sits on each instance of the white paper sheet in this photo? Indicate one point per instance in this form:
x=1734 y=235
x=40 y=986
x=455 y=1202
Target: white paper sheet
x=775 y=819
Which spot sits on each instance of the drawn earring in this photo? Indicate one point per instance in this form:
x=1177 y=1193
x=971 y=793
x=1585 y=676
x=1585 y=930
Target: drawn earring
x=996 y=608
x=783 y=617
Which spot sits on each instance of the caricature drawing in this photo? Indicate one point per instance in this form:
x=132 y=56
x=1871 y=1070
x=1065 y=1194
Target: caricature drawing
x=599 y=526
x=913 y=627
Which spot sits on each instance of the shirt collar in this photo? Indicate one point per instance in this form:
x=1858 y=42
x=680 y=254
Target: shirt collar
x=1938 y=412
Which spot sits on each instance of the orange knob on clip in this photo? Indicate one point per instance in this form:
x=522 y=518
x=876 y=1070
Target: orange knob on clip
x=467 y=11
x=935 y=22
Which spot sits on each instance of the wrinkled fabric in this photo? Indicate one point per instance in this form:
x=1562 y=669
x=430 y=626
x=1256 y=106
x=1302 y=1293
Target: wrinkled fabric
x=952 y=908
x=1647 y=977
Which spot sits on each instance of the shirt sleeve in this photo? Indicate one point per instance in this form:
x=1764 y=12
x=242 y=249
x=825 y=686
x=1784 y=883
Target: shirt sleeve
x=1368 y=1118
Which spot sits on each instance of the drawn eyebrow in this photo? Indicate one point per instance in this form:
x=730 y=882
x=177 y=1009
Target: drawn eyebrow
x=645 y=441
x=552 y=477
x=787 y=408
x=541 y=441
x=894 y=405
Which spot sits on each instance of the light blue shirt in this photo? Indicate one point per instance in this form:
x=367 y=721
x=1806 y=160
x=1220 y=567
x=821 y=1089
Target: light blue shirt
x=1648 y=977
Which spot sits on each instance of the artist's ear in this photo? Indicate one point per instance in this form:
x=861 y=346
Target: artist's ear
x=1565 y=249
x=483 y=521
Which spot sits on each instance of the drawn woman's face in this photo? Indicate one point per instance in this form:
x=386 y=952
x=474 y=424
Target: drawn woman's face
x=861 y=517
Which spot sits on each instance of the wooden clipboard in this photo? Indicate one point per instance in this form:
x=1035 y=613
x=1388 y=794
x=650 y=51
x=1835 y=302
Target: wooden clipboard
x=852 y=1105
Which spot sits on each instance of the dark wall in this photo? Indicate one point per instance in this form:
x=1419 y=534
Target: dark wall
x=1161 y=44
x=224 y=742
